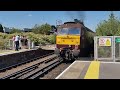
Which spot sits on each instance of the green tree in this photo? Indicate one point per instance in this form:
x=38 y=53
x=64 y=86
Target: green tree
x=1 y=28
x=43 y=29
x=14 y=30
x=109 y=27
x=36 y=29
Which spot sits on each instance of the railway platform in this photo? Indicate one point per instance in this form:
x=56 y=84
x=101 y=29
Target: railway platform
x=44 y=47
x=6 y=52
x=12 y=58
x=91 y=70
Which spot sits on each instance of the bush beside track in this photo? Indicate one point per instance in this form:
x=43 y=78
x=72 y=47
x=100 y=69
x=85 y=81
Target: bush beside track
x=38 y=39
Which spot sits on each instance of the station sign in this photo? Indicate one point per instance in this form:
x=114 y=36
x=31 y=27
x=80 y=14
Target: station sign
x=117 y=40
x=104 y=41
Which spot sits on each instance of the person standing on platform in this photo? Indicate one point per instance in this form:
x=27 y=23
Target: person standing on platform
x=17 y=38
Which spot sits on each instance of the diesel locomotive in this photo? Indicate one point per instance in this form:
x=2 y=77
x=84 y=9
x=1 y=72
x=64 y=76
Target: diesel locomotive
x=73 y=40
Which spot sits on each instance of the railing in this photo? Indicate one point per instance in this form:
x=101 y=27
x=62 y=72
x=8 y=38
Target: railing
x=107 y=48
x=10 y=45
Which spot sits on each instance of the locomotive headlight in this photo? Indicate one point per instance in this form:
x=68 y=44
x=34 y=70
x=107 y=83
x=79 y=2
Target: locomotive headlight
x=70 y=45
x=76 y=47
x=61 y=49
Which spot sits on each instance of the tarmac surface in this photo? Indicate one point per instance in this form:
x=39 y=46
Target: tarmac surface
x=91 y=70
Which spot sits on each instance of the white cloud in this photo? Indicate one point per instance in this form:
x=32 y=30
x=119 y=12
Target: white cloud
x=29 y=15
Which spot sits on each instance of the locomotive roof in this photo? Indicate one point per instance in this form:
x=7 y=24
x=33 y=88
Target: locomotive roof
x=89 y=30
x=69 y=22
x=80 y=24
x=74 y=23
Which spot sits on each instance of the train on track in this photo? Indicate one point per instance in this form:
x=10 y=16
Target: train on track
x=74 y=39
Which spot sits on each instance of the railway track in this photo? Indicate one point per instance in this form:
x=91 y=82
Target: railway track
x=35 y=71
x=18 y=64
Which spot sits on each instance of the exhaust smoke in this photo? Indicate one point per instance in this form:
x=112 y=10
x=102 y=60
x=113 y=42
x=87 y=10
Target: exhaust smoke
x=80 y=15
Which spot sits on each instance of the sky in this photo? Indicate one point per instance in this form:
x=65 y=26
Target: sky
x=27 y=19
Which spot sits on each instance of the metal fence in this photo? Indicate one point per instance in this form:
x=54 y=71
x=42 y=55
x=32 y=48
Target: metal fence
x=117 y=48
x=107 y=48
x=10 y=45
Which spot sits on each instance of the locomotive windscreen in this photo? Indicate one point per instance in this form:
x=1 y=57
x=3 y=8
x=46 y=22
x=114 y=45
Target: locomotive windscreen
x=69 y=31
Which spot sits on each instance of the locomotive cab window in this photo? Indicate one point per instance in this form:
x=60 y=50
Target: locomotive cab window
x=63 y=31
x=72 y=31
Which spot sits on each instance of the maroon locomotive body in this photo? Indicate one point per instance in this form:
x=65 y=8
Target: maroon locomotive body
x=73 y=40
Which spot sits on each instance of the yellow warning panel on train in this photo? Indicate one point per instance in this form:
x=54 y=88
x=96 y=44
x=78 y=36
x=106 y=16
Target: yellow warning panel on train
x=68 y=39
x=104 y=41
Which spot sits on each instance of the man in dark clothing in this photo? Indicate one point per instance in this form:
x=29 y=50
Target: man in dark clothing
x=24 y=42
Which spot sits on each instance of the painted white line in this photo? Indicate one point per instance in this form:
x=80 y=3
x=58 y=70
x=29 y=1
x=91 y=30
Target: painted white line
x=68 y=68
x=65 y=70
x=83 y=61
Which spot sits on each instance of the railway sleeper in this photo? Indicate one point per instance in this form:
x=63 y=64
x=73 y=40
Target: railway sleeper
x=47 y=69
x=41 y=68
x=15 y=75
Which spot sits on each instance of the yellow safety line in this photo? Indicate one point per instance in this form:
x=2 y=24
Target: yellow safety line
x=93 y=70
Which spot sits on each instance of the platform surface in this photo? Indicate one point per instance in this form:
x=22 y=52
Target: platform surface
x=91 y=70
x=13 y=51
